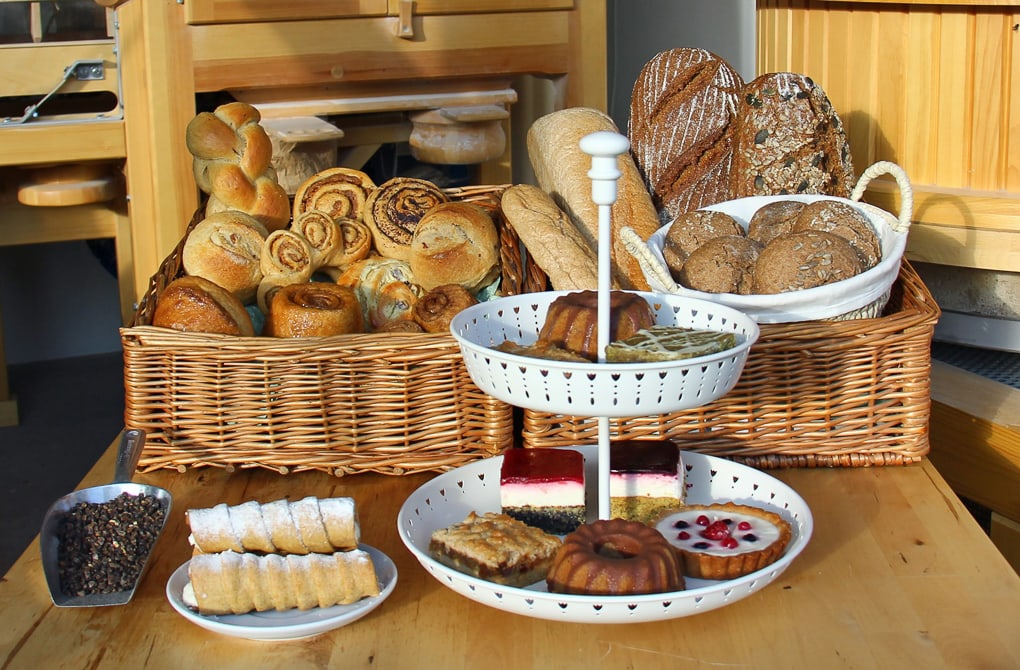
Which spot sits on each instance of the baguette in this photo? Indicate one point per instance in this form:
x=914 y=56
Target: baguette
x=558 y=248
x=561 y=169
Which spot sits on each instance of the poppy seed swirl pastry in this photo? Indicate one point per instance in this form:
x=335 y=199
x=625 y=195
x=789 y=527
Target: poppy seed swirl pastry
x=394 y=209
x=725 y=540
x=337 y=191
x=314 y=309
x=615 y=557
x=434 y=310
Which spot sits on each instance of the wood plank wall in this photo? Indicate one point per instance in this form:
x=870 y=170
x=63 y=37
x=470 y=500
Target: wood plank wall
x=931 y=87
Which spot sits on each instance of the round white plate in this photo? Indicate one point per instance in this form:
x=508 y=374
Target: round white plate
x=448 y=498
x=290 y=624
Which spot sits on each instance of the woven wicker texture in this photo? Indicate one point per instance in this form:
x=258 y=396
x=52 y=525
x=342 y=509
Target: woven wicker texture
x=394 y=403
x=812 y=394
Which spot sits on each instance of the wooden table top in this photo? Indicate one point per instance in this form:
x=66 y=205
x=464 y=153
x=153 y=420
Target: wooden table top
x=897 y=575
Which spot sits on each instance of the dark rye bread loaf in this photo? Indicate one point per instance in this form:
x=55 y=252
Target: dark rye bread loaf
x=682 y=110
x=789 y=139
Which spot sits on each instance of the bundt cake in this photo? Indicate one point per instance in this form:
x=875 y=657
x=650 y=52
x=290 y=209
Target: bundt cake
x=571 y=322
x=615 y=557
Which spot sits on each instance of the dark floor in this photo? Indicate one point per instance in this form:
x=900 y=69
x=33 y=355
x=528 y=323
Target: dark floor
x=69 y=410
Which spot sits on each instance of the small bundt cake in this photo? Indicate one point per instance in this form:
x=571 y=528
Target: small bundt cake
x=615 y=557
x=571 y=322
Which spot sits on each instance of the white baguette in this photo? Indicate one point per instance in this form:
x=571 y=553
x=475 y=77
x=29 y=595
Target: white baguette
x=561 y=169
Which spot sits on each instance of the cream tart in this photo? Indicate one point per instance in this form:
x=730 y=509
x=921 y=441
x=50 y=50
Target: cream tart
x=725 y=540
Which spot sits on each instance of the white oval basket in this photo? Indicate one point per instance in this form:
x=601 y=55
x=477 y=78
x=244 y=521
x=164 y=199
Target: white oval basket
x=598 y=389
x=859 y=297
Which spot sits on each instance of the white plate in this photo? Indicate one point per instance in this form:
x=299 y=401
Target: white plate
x=821 y=302
x=290 y=624
x=448 y=498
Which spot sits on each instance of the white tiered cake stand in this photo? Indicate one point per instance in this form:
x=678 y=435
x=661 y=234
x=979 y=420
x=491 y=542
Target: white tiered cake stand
x=603 y=390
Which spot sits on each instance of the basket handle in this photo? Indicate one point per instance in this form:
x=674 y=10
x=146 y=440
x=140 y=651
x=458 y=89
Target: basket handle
x=906 y=192
x=657 y=274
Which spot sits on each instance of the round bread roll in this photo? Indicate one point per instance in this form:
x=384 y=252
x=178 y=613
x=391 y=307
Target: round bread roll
x=843 y=219
x=804 y=259
x=197 y=305
x=226 y=249
x=690 y=230
x=436 y=309
x=773 y=219
x=455 y=243
x=314 y=309
x=721 y=265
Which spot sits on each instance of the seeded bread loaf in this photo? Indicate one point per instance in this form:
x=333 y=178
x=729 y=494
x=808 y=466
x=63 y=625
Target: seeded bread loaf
x=789 y=139
x=682 y=114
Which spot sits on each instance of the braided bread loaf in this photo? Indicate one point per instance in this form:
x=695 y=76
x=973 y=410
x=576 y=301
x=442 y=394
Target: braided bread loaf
x=232 y=155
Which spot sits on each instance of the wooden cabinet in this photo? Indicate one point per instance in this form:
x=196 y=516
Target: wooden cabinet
x=317 y=57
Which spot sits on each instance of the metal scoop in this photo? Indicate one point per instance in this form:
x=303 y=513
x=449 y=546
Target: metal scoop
x=129 y=450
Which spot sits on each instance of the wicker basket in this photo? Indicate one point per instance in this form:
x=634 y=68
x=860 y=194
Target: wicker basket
x=823 y=393
x=394 y=404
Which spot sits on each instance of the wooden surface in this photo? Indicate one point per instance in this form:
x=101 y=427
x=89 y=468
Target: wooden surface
x=931 y=87
x=897 y=575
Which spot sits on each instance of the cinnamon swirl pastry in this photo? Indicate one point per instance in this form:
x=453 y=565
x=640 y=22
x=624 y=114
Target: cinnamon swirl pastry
x=286 y=259
x=357 y=242
x=402 y=326
x=323 y=235
x=337 y=191
x=314 y=309
x=436 y=308
x=394 y=209
x=385 y=288
x=226 y=249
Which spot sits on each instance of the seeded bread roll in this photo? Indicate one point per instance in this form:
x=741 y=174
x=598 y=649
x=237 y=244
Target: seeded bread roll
x=789 y=140
x=682 y=113
x=773 y=219
x=561 y=169
x=721 y=265
x=804 y=259
x=551 y=238
x=843 y=219
x=690 y=231
x=226 y=249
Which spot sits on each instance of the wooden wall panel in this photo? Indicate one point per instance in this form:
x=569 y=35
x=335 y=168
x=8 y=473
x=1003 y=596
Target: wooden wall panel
x=931 y=87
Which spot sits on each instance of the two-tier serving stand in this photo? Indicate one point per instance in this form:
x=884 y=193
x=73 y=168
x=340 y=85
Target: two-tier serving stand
x=605 y=391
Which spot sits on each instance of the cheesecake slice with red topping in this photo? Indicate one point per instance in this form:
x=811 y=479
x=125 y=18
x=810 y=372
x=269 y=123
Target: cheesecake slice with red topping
x=543 y=488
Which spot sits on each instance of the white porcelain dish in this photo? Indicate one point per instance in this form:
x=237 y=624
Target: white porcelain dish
x=290 y=624
x=822 y=302
x=448 y=498
x=598 y=389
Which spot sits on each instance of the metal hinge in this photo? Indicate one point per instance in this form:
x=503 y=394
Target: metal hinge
x=82 y=70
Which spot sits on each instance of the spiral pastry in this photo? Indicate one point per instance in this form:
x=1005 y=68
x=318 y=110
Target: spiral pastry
x=394 y=209
x=314 y=309
x=385 y=288
x=435 y=309
x=323 y=235
x=336 y=191
x=403 y=326
x=286 y=259
x=357 y=242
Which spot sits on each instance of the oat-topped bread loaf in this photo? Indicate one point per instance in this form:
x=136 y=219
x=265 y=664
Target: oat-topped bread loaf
x=789 y=139
x=682 y=112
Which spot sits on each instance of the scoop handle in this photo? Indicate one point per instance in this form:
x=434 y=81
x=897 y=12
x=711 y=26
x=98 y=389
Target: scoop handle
x=128 y=453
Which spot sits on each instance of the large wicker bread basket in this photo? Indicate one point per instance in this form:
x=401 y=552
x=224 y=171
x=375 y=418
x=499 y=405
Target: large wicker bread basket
x=390 y=403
